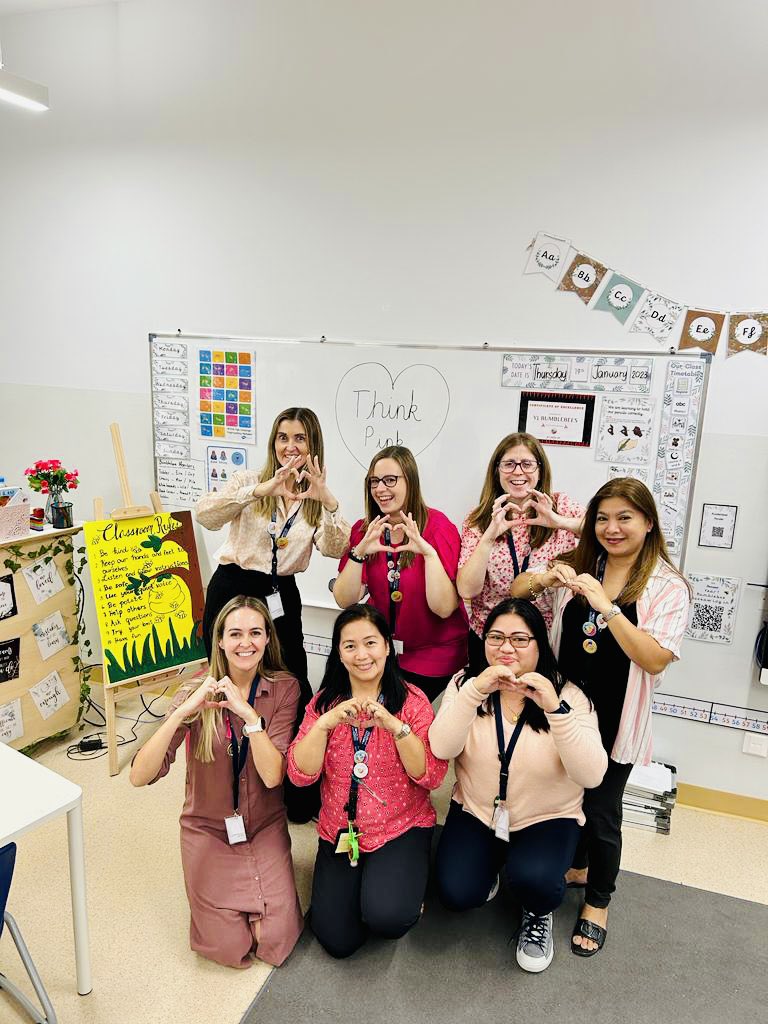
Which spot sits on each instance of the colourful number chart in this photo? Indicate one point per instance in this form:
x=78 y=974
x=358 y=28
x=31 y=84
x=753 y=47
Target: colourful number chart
x=226 y=405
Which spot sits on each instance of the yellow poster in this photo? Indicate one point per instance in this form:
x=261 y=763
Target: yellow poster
x=149 y=598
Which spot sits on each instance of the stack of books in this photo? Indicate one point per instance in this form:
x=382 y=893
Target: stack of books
x=650 y=796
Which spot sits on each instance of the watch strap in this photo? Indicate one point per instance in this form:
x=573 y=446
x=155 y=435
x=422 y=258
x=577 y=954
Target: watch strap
x=405 y=731
x=562 y=709
x=258 y=726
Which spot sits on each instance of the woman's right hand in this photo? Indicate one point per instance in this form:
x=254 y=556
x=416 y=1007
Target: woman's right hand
x=371 y=541
x=282 y=484
x=558 y=575
x=348 y=712
x=197 y=700
x=499 y=523
x=495 y=677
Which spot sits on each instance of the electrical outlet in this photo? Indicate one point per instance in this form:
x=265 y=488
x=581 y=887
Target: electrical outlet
x=754 y=744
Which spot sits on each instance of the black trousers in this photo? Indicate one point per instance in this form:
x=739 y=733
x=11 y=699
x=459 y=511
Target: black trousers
x=228 y=581
x=599 y=847
x=382 y=895
x=469 y=856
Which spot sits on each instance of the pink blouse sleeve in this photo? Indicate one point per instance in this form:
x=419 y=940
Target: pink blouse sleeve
x=470 y=538
x=667 y=615
x=418 y=713
x=298 y=777
x=447 y=543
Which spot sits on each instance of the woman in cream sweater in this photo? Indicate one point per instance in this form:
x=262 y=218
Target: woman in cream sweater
x=526 y=745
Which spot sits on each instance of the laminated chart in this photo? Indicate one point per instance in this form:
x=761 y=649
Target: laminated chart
x=225 y=387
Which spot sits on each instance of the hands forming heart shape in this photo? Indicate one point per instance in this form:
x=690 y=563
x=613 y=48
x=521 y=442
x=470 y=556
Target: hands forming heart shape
x=374 y=539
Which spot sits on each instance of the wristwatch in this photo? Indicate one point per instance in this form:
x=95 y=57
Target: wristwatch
x=563 y=708
x=615 y=610
x=258 y=726
x=405 y=731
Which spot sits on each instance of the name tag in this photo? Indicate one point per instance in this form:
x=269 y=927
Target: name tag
x=501 y=822
x=398 y=646
x=235 y=829
x=275 y=605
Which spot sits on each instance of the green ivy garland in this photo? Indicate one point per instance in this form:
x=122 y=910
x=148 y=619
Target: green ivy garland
x=75 y=563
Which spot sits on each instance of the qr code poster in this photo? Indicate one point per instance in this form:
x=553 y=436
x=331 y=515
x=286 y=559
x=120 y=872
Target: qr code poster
x=713 y=612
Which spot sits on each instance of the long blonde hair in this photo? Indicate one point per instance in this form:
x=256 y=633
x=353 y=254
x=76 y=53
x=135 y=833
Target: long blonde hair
x=585 y=555
x=312 y=510
x=480 y=516
x=414 y=503
x=271 y=662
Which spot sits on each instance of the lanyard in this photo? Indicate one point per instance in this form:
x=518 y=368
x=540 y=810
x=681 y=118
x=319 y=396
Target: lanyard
x=279 y=541
x=393 y=579
x=505 y=756
x=594 y=622
x=515 y=563
x=240 y=750
x=359 y=767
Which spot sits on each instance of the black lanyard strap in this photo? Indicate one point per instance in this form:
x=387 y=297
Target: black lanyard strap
x=393 y=579
x=359 y=743
x=599 y=577
x=283 y=533
x=240 y=750
x=515 y=564
x=505 y=756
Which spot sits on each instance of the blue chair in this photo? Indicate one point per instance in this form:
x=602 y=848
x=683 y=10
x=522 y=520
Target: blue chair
x=7 y=862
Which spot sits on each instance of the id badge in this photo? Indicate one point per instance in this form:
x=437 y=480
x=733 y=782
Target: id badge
x=275 y=605
x=235 y=829
x=501 y=822
x=398 y=646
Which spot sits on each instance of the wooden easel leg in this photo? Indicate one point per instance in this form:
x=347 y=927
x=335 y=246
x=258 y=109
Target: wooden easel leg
x=110 y=713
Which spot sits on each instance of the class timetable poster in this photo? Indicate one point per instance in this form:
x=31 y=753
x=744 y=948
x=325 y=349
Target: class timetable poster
x=225 y=395
x=149 y=596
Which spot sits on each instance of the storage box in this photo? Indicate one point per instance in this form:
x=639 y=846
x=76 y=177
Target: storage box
x=14 y=521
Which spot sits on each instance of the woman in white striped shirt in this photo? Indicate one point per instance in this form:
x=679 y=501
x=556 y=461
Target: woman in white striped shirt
x=620 y=610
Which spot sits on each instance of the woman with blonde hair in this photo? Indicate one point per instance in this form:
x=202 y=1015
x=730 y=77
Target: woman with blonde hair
x=518 y=522
x=406 y=555
x=620 y=611
x=276 y=518
x=235 y=847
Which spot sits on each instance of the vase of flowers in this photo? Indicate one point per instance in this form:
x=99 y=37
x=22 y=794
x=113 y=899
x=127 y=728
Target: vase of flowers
x=49 y=477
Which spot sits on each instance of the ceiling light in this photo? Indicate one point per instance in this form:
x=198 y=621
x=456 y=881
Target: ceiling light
x=21 y=91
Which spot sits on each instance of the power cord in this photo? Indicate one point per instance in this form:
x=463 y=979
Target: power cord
x=94 y=745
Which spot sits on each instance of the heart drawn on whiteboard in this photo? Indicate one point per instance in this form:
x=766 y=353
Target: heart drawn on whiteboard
x=375 y=409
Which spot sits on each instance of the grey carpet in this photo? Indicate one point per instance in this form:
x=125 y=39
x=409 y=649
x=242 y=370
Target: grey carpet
x=673 y=955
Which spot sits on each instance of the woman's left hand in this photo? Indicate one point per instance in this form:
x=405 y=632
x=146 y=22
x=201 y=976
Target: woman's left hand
x=592 y=589
x=543 y=507
x=317 y=489
x=232 y=700
x=413 y=539
x=381 y=718
x=539 y=689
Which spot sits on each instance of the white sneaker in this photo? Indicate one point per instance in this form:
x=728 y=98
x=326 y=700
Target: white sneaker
x=494 y=890
x=535 y=947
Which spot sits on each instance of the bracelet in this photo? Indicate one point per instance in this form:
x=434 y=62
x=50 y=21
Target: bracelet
x=356 y=557
x=532 y=592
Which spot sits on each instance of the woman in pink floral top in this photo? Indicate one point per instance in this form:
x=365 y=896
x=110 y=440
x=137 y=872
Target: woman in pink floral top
x=519 y=523
x=364 y=735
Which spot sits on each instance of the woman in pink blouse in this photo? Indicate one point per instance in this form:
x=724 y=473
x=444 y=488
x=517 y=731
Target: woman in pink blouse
x=235 y=847
x=518 y=522
x=364 y=736
x=406 y=555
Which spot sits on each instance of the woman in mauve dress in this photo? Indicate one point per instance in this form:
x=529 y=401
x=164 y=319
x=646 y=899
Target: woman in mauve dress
x=235 y=847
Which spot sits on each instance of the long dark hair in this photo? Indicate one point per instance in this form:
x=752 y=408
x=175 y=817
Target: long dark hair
x=546 y=665
x=336 y=687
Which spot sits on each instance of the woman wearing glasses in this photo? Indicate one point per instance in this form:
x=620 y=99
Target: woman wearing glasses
x=406 y=555
x=525 y=744
x=518 y=522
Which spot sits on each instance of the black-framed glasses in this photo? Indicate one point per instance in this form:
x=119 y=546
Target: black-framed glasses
x=518 y=640
x=389 y=481
x=510 y=465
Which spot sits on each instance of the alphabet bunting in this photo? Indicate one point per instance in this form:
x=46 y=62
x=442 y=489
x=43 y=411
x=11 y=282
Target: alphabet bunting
x=583 y=277
x=657 y=316
x=548 y=254
x=620 y=296
x=701 y=329
x=748 y=332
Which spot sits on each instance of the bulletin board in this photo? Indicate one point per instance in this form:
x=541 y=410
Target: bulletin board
x=600 y=415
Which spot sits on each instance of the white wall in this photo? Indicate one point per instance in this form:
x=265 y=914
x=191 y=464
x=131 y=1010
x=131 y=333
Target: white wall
x=375 y=171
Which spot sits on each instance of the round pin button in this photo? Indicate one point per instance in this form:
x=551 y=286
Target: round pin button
x=589 y=646
x=589 y=629
x=601 y=623
x=282 y=542
x=360 y=770
x=397 y=596
x=360 y=757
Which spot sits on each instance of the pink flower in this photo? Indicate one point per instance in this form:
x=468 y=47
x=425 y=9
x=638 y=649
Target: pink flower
x=54 y=464
x=44 y=487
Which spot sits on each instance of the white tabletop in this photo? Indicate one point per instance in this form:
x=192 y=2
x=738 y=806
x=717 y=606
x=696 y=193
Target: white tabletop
x=31 y=794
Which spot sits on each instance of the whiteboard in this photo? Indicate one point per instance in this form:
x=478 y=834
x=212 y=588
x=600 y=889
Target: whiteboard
x=450 y=405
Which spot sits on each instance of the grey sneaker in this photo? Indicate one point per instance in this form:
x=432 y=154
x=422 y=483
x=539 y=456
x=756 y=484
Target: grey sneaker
x=535 y=947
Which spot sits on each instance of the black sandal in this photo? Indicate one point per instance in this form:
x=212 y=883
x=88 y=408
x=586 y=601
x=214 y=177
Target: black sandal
x=588 y=930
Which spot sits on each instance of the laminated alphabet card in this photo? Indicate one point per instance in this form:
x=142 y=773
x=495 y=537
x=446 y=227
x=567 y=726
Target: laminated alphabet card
x=625 y=430
x=51 y=635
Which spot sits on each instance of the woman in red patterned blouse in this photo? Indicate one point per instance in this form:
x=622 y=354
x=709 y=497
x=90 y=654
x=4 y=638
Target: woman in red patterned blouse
x=518 y=523
x=364 y=735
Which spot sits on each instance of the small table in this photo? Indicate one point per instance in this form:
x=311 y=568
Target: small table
x=33 y=794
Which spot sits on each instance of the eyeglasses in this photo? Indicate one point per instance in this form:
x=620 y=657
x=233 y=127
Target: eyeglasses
x=518 y=640
x=510 y=465
x=388 y=481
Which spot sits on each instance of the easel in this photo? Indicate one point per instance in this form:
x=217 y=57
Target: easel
x=124 y=688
